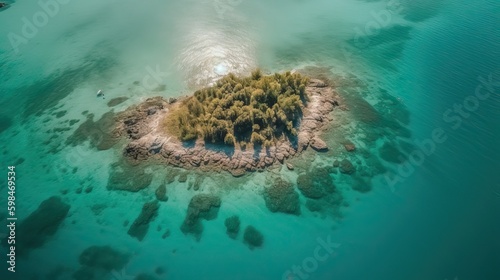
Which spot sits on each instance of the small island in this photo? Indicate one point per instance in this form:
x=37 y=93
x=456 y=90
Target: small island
x=239 y=124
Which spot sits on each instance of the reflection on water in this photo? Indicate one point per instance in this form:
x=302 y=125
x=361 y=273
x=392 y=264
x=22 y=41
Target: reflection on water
x=213 y=47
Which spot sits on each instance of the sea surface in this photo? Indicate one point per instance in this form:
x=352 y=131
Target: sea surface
x=421 y=80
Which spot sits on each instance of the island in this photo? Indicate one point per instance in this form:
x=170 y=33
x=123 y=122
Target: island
x=239 y=124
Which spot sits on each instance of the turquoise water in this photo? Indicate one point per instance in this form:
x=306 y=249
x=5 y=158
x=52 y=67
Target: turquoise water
x=409 y=61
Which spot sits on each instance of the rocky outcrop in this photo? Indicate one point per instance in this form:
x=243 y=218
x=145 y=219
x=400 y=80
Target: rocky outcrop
x=253 y=238
x=232 y=226
x=349 y=146
x=316 y=183
x=281 y=197
x=201 y=206
x=128 y=178
x=142 y=124
x=140 y=227
x=346 y=167
x=319 y=145
x=161 y=193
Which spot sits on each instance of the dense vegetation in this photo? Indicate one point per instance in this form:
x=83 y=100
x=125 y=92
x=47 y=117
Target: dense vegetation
x=255 y=109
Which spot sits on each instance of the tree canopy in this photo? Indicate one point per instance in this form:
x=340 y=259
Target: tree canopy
x=255 y=109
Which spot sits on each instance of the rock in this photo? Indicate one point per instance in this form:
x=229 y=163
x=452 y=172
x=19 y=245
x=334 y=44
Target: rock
x=232 y=226
x=268 y=161
x=336 y=163
x=350 y=147
x=253 y=238
x=98 y=261
x=40 y=225
x=103 y=257
x=116 y=101
x=3 y=5
x=201 y=206
x=161 y=193
x=140 y=227
x=317 y=83
x=156 y=146
x=289 y=166
x=303 y=141
x=127 y=178
x=281 y=197
x=99 y=133
x=390 y=153
x=237 y=172
x=346 y=167
x=314 y=205
x=319 y=145
x=280 y=157
x=316 y=183
x=183 y=177
x=361 y=186
x=151 y=111
x=166 y=234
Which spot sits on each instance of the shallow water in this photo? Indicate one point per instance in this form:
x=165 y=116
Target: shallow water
x=400 y=66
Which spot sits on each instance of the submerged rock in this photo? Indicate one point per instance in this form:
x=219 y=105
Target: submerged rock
x=232 y=226
x=253 y=238
x=346 y=167
x=127 y=178
x=161 y=193
x=103 y=257
x=99 y=133
x=140 y=227
x=183 y=177
x=319 y=145
x=390 y=153
x=350 y=147
x=281 y=197
x=116 y=101
x=201 y=206
x=98 y=261
x=316 y=183
x=40 y=225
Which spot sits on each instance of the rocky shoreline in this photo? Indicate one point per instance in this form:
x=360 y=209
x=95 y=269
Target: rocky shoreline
x=141 y=124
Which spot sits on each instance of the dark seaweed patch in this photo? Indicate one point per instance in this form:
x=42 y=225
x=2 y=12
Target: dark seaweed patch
x=116 y=101
x=5 y=123
x=47 y=92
